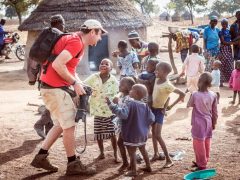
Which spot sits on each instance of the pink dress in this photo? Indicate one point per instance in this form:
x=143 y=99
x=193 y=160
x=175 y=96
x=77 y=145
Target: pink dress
x=234 y=81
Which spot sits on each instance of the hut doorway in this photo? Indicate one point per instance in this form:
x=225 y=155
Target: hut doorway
x=97 y=53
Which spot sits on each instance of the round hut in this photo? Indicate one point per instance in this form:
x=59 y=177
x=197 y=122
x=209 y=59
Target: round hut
x=214 y=13
x=186 y=15
x=117 y=17
x=176 y=17
x=164 y=16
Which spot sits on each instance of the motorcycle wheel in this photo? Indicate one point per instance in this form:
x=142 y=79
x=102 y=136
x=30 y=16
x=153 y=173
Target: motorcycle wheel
x=20 y=52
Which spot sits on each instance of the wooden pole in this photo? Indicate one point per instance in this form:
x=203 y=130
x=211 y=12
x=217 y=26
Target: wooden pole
x=171 y=54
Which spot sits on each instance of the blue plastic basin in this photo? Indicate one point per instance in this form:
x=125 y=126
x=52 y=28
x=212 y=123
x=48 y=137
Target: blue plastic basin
x=203 y=174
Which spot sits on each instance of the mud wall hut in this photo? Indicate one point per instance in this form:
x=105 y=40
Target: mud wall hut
x=164 y=16
x=176 y=17
x=118 y=17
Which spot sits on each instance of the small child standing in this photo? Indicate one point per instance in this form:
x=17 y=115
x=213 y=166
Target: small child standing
x=234 y=82
x=136 y=119
x=204 y=119
x=125 y=86
x=193 y=66
x=153 y=49
x=103 y=84
x=148 y=78
x=216 y=78
x=161 y=91
x=127 y=61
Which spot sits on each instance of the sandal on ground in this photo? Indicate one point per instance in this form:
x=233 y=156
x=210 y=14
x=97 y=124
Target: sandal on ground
x=130 y=174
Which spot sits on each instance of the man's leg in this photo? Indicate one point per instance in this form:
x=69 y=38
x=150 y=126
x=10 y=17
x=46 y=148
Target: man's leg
x=41 y=160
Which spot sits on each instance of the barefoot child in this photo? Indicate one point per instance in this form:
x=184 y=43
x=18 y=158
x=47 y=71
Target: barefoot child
x=234 y=82
x=127 y=61
x=125 y=86
x=216 y=74
x=204 y=118
x=193 y=66
x=103 y=84
x=136 y=118
x=161 y=91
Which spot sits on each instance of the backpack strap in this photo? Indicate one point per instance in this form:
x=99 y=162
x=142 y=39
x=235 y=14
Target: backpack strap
x=52 y=57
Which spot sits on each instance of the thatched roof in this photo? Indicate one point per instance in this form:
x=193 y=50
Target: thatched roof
x=111 y=13
x=164 y=14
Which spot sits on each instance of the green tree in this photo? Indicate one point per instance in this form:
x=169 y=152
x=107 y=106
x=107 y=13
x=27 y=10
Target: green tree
x=147 y=6
x=169 y=7
x=219 y=6
x=180 y=5
x=20 y=6
x=191 y=4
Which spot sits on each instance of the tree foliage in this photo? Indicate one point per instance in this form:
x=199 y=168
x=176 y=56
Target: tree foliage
x=147 y=6
x=20 y=6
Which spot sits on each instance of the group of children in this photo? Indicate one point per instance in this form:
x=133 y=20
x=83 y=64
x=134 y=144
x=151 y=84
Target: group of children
x=140 y=101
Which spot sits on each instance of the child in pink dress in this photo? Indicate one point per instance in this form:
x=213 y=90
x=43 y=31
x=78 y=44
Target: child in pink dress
x=204 y=119
x=234 y=82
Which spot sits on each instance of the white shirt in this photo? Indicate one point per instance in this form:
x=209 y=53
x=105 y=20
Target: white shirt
x=193 y=65
x=215 y=78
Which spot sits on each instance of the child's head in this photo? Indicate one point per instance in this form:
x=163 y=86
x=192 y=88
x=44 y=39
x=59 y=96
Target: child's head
x=162 y=70
x=122 y=45
x=224 y=23
x=126 y=84
x=216 y=65
x=105 y=66
x=237 y=64
x=138 y=92
x=204 y=81
x=153 y=49
x=151 y=66
x=195 y=48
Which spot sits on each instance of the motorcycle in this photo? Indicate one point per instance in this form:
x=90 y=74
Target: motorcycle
x=11 y=45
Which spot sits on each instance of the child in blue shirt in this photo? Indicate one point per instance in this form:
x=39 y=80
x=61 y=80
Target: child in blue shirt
x=136 y=120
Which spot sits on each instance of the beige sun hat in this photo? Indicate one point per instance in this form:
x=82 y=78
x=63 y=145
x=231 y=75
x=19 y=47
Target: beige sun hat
x=93 y=24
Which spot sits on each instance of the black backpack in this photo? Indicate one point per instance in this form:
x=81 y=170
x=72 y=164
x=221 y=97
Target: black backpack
x=43 y=45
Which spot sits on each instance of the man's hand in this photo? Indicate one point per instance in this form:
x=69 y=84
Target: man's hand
x=78 y=88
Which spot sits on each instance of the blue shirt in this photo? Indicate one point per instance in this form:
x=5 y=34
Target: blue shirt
x=126 y=64
x=211 y=37
x=226 y=35
x=2 y=33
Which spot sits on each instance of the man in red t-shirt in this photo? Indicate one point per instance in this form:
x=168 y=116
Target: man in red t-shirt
x=62 y=73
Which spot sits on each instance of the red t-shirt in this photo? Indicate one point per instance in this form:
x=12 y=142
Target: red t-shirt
x=73 y=44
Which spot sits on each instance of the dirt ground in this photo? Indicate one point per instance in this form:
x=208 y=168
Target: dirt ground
x=19 y=142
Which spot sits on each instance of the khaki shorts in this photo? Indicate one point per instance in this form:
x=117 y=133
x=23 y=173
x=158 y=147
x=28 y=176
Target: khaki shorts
x=61 y=107
x=192 y=83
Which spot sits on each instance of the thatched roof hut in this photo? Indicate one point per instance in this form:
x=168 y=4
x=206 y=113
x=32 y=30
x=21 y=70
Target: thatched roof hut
x=165 y=16
x=118 y=17
x=176 y=17
x=186 y=15
x=214 y=13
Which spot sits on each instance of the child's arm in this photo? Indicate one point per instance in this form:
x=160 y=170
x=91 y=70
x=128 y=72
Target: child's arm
x=214 y=113
x=121 y=112
x=190 y=101
x=180 y=97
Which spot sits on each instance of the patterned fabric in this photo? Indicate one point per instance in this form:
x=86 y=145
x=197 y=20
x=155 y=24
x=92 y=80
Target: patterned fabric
x=103 y=128
x=226 y=59
x=182 y=42
x=226 y=34
x=98 y=106
x=126 y=64
x=210 y=57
